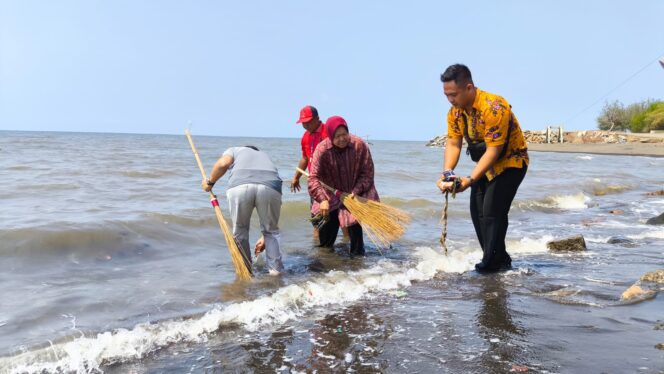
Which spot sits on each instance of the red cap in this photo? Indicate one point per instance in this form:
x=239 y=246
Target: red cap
x=307 y=113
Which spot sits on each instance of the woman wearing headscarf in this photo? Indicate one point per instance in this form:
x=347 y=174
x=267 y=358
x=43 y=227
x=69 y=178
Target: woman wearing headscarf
x=342 y=161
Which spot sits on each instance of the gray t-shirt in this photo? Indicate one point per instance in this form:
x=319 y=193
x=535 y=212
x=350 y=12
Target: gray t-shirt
x=251 y=166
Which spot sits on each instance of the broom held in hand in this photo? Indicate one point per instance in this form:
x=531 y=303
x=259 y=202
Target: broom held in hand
x=240 y=261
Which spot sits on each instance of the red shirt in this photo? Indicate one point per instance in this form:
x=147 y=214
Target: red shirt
x=311 y=140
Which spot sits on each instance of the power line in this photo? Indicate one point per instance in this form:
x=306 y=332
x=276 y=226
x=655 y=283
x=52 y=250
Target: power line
x=614 y=89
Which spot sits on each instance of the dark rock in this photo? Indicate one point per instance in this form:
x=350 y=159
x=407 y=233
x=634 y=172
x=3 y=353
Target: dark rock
x=621 y=240
x=660 y=346
x=616 y=211
x=659 y=326
x=575 y=243
x=659 y=220
x=656 y=193
x=316 y=266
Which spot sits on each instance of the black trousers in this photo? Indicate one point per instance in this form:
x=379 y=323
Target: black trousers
x=490 y=204
x=327 y=234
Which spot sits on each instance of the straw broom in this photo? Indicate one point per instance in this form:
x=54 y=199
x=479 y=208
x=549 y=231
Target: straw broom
x=382 y=223
x=443 y=234
x=241 y=263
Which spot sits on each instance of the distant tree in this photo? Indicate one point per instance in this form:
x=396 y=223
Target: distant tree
x=613 y=117
x=651 y=118
x=655 y=116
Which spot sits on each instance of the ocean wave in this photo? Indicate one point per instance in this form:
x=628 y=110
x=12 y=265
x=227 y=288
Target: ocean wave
x=157 y=173
x=412 y=203
x=90 y=353
x=98 y=240
x=648 y=234
x=577 y=201
x=527 y=245
x=84 y=354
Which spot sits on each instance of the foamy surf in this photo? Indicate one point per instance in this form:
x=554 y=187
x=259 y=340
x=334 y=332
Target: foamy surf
x=527 y=245
x=336 y=288
x=577 y=201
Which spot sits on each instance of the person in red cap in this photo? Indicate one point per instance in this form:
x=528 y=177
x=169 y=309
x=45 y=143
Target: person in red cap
x=315 y=132
x=342 y=161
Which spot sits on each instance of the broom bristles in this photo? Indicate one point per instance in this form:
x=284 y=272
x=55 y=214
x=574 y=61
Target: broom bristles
x=242 y=265
x=382 y=223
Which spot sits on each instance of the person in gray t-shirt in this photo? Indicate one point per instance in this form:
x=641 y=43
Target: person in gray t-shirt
x=253 y=182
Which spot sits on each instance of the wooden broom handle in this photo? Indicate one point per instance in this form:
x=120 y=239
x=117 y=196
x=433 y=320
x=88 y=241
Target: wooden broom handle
x=334 y=190
x=303 y=172
x=198 y=158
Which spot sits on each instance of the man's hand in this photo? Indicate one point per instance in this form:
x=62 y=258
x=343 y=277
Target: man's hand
x=260 y=246
x=445 y=186
x=295 y=185
x=465 y=183
x=206 y=185
x=325 y=208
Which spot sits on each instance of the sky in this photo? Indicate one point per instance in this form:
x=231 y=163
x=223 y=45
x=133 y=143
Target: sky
x=246 y=68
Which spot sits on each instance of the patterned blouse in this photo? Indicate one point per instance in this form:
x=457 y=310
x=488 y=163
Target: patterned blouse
x=348 y=170
x=489 y=119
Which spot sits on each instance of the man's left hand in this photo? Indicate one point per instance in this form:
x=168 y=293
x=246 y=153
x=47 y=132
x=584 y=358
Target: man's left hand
x=465 y=183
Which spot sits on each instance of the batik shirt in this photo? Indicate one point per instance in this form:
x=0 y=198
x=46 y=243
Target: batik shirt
x=489 y=121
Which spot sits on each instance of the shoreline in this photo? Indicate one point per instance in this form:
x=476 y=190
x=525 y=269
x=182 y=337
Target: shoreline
x=624 y=149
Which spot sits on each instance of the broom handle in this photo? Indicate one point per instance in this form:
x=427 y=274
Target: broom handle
x=198 y=160
x=323 y=184
x=213 y=197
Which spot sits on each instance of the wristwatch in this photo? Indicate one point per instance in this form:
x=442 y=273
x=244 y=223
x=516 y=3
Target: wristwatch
x=210 y=183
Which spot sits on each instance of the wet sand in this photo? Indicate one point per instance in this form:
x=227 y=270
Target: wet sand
x=627 y=149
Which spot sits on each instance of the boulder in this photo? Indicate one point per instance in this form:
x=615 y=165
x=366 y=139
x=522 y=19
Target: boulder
x=317 y=266
x=656 y=276
x=659 y=326
x=659 y=220
x=660 y=346
x=575 y=243
x=438 y=141
x=621 y=240
x=656 y=193
x=636 y=293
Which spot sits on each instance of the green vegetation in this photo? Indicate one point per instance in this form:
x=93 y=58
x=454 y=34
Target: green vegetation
x=637 y=117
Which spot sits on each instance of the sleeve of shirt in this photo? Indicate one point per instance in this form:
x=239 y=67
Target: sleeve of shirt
x=496 y=124
x=303 y=143
x=454 y=130
x=316 y=189
x=366 y=177
x=229 y=152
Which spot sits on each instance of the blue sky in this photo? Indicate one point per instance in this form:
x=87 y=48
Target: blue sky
x=246 y=68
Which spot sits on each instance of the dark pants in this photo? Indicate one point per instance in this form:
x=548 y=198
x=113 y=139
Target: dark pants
x=327 y=234
x=489 y=206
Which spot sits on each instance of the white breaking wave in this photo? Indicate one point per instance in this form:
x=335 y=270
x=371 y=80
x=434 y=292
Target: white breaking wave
x=584 y=157
x=576 y=201
x=571 y=202
x=529 y=245
x=86 y=354
x=650 y=234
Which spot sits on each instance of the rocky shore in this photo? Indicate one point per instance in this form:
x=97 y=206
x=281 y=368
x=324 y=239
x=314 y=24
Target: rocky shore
x=576 y=137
